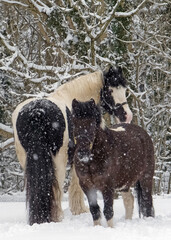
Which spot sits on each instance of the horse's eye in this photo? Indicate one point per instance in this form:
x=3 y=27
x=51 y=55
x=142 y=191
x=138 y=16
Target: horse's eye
x=111 y=91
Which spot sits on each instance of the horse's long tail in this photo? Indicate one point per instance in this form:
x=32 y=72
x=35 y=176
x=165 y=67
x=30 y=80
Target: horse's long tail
x=138 y=190
x=144 y=197
x=40 y=127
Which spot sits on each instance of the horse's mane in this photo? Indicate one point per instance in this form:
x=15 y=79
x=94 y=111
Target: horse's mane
x=82 y=88
x=86 y=110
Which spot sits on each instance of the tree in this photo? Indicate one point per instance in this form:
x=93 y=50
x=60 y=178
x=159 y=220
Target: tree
x=45 y=43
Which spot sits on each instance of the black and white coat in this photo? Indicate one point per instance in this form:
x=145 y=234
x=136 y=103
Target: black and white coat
x=43 y=140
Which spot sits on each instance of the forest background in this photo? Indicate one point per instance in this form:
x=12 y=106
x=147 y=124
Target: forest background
x=44 y=43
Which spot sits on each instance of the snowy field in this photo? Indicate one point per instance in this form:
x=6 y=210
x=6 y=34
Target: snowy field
x=13 y=223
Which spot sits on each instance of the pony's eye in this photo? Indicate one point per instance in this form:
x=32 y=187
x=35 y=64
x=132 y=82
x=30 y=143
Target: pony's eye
x=111 y=91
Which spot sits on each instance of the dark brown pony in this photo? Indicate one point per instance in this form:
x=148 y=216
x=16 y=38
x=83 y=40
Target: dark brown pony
x=112 y=159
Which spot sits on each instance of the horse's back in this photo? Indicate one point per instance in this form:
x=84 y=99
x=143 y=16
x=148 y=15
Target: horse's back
x=131 y=132
x=136 y=142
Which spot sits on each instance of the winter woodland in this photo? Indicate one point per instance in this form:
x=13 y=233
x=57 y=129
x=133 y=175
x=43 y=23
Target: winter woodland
x=44 y=43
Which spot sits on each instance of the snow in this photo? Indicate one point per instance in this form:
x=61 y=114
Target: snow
x=13 y=223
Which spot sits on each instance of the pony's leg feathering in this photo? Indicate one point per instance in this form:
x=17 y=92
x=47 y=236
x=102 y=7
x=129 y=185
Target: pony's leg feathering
x=128 y=200
x=76 y=196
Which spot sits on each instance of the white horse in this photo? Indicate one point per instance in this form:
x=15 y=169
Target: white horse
x=44 y=141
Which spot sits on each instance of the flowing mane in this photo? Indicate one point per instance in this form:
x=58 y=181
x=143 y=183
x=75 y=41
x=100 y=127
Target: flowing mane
x=84 y=87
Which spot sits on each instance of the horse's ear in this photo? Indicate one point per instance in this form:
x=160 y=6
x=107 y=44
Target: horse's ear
x=92 y=102
x=74 y=103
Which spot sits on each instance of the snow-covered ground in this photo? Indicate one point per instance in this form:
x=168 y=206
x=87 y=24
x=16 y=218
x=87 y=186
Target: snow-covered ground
x=13 y=223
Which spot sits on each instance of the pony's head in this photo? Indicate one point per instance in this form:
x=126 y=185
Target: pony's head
x=86 y=117
x=113 y=95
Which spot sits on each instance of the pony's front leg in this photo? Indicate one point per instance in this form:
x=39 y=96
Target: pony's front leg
x=128 y=200
x=76 y=196
x=94 y=207
x=108 y=206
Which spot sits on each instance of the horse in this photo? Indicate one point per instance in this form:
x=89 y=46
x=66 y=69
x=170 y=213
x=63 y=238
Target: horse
x=43 y=133
x=109 y=159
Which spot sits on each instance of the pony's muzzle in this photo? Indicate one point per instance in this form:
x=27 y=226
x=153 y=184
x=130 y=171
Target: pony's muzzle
x=84 y=157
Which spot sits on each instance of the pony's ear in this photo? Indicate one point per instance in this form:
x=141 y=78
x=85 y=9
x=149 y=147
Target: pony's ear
x=92 y=102
x=74 y=103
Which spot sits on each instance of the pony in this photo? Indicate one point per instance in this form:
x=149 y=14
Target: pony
x=43 y=133
x=112 y=159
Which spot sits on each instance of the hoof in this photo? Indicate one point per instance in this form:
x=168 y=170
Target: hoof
x=110 y=223
x=97 y=222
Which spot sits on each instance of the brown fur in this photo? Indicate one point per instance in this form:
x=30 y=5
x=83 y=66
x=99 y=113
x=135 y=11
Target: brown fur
x=117 y=160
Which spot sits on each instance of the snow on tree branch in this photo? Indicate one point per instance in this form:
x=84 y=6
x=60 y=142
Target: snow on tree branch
x=41 y=7
x=131 y=13
x=14 y=2
x=6 y=131
x=6 y=144
x=6 y=128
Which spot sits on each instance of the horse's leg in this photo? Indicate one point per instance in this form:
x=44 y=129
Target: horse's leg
x=108 y=206
x=76 y=196
x=128 y=200
x=60 y=161
x=94 y=207
x=144 y=196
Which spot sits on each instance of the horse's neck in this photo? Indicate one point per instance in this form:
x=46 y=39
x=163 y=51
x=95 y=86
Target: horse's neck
x=82 y=88
x=103 y=134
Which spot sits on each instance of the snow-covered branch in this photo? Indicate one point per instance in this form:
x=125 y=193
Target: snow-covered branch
x=41 y=7
x=5 y=131
x=109 y=18
x=6 y=128
x=6 y=144
x=132 y=12
x=14 y=2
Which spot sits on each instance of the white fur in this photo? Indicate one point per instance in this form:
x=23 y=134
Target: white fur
x=103 y=124
x=119 y=96
x=128 y=200
x=118 y=129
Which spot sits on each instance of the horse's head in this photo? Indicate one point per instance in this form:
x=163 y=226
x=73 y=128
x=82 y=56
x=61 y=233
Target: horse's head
x=86 y=117
x=113 y=95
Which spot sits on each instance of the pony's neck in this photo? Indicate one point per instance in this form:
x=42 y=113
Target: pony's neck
x=82 y=88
